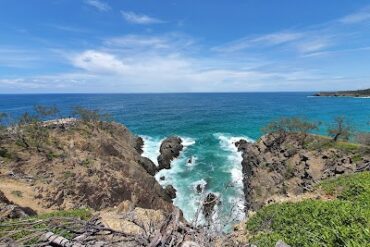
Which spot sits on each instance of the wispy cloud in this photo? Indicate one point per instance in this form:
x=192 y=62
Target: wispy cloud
x=266 y=40
x=98 y=4
x=357 y=17
x=142 y=19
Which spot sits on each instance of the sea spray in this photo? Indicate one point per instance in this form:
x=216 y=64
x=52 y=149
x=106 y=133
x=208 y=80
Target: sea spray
x=213 y=163
x=234 y=167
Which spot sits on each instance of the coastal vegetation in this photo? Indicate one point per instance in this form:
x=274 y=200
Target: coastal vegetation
x=306 y=189
x=340 y=218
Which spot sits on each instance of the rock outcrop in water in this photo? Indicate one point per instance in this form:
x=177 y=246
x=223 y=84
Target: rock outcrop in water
x=278 y=166
x=169 y=150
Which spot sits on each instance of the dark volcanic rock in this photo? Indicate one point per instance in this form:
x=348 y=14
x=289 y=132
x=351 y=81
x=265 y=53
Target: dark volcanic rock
x=171 y=191
x=209 y=205
x=170 y=149
x=199 y=188
x=148 y=165
x=139 y=143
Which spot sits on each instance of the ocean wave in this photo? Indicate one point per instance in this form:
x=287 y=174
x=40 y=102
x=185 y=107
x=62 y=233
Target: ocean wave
x=234 y=167
x=187 y=141
x=151 y=147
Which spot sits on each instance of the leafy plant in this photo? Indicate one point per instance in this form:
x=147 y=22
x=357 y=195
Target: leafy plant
x=343 y=221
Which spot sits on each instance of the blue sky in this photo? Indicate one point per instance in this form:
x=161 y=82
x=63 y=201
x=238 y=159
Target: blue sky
x=123 y=46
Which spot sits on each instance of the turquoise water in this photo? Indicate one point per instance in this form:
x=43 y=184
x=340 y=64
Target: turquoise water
x=209 y=125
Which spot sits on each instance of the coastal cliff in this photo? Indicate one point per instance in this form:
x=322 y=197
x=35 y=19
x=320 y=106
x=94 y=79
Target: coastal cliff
x=278 y=167
x=94 y=165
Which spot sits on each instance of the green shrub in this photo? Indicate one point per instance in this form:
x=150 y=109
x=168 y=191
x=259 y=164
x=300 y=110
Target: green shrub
x=344 y=221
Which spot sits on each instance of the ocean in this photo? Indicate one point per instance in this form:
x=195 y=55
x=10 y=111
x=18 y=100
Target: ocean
x=209 y=124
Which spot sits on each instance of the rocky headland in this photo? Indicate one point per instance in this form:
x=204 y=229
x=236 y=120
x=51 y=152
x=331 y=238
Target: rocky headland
x=355 y=93
x=85 y=165
x=281 y=166
x=84 y=182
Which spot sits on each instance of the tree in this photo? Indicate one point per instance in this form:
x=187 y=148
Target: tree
x=340 y=130
x=300 y=126
x=46 y=111
x=90 y=116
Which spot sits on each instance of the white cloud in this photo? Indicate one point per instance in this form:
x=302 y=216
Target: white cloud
x=98 y=62
x=135 y=18
x=265 y=40
x=360 y=16
x=313 y=45
x=99 y=5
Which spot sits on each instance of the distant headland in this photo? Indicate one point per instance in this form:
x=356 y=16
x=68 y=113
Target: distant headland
x=355 y=93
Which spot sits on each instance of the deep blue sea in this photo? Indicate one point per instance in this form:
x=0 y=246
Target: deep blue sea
x=209 y=124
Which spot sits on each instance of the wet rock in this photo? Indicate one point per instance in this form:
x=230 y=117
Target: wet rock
x=148 y=165
x=199 y=188
x=169 y=150
x=171 y=191
x=162 y=178
x=209 y=204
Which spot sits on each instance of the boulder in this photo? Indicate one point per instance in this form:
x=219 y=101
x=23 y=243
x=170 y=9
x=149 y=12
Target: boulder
x=170 y=191
x=209 y=204
x=148 y=165
x=169 y=150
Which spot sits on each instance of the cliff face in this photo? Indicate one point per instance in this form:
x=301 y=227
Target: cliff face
x=84 y=165
x=278 y=166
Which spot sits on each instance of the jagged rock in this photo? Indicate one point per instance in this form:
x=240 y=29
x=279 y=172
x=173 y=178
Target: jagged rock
x=169 y=150
x=209 y=204
x=148 y=165
x=281 y=166
x=95 y=165
x=139 y=143
x=171 y=191
x=199 y=188
x=162 y=178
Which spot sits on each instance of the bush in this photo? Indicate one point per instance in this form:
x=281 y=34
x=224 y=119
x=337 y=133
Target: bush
x=296 y=125
x=87 y=115
x=340 y=129
x=344 y=221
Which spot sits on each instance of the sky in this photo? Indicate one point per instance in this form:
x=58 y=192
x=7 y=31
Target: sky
x=133 y=46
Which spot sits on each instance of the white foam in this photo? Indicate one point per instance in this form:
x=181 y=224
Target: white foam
x=151 y=147
x=201 y=182
x=187 y=141
x=227 y=143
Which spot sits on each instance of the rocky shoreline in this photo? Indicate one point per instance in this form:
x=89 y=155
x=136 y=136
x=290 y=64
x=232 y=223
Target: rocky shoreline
x=277 y=167
x=98 y=169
